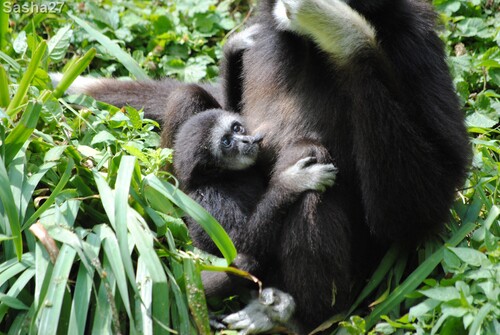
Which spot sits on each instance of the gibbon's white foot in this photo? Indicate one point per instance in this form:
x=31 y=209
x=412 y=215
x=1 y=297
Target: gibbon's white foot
x=307 y=174
x=273 y=308
x=332 y=24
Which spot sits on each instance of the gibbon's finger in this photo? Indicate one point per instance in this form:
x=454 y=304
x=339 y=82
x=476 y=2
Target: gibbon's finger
x=305 y=162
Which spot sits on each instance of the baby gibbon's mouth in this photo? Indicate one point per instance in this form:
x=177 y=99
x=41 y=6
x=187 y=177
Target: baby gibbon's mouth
x=251 y=149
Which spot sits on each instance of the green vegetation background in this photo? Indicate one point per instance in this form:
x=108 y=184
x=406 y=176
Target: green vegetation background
x=91 y=236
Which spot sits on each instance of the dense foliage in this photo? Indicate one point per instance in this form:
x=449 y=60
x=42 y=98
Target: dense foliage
x=91 y=236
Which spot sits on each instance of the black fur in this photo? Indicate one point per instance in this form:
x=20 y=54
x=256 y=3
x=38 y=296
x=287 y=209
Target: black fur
x=241 y=200
x=390 y=119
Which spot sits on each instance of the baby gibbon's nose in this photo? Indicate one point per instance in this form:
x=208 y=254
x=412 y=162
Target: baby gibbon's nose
x=258 y=138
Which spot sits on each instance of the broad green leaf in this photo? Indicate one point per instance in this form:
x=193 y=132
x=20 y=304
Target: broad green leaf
x=59 y=43
x=20 y=44
x=424 y=307
x=442 y=293
x=470 y=256
x=480 y=121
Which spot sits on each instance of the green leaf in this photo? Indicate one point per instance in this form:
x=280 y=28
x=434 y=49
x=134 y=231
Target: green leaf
x=55 y=193
x=20 y=44
x=59 y=43
x=480 y=317
x=479 y=120
x=113 y=48
x=196 y=296
x=10 y=207
x=75 y=69
x=416 y=277
x=442 y=293
x=12 y=302
x=193 y=209
x=21 y=133
x=470 y=256
x=49 y=315
x=12 y=109
x=4 y=87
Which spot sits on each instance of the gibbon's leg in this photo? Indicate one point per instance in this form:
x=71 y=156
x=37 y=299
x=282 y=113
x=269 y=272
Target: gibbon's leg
x=231 y=67
x=332 y=24
x=150 y=95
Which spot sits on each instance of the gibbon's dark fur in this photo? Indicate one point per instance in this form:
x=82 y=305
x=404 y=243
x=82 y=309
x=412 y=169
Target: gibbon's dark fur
x=221 y=177
x=387 y=113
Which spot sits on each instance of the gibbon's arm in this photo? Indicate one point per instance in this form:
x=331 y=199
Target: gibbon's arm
x=410 y=143
x=332 y=24
x=287 y=184
x=231 y=67
x=150 y=95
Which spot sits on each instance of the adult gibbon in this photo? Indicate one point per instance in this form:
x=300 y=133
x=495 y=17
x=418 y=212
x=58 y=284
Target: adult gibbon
x=366 y=79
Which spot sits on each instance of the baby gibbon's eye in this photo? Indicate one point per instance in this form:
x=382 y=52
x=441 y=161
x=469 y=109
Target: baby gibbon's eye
x=226 y=141
x=238 y=128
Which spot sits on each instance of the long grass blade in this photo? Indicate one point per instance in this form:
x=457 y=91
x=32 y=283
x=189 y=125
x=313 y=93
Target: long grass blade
x=10 y=207
x=80 y=302
x=417 y=277
x=144 y=305
x=73 y=72
x=4 y=88
x=113 y=48
x=21 y=133
x=154 y=187
x=49 y=315
x=57 y=190
x=143 y=240
x=14 y=105
x=4 y=24
x=196 y=297
x=106 y=313
x=110 y=245
x=377 y=277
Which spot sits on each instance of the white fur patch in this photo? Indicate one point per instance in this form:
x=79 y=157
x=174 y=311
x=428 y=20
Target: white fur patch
x=333 y=24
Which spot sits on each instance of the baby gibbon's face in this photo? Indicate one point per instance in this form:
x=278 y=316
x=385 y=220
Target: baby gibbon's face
x=231 y=145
